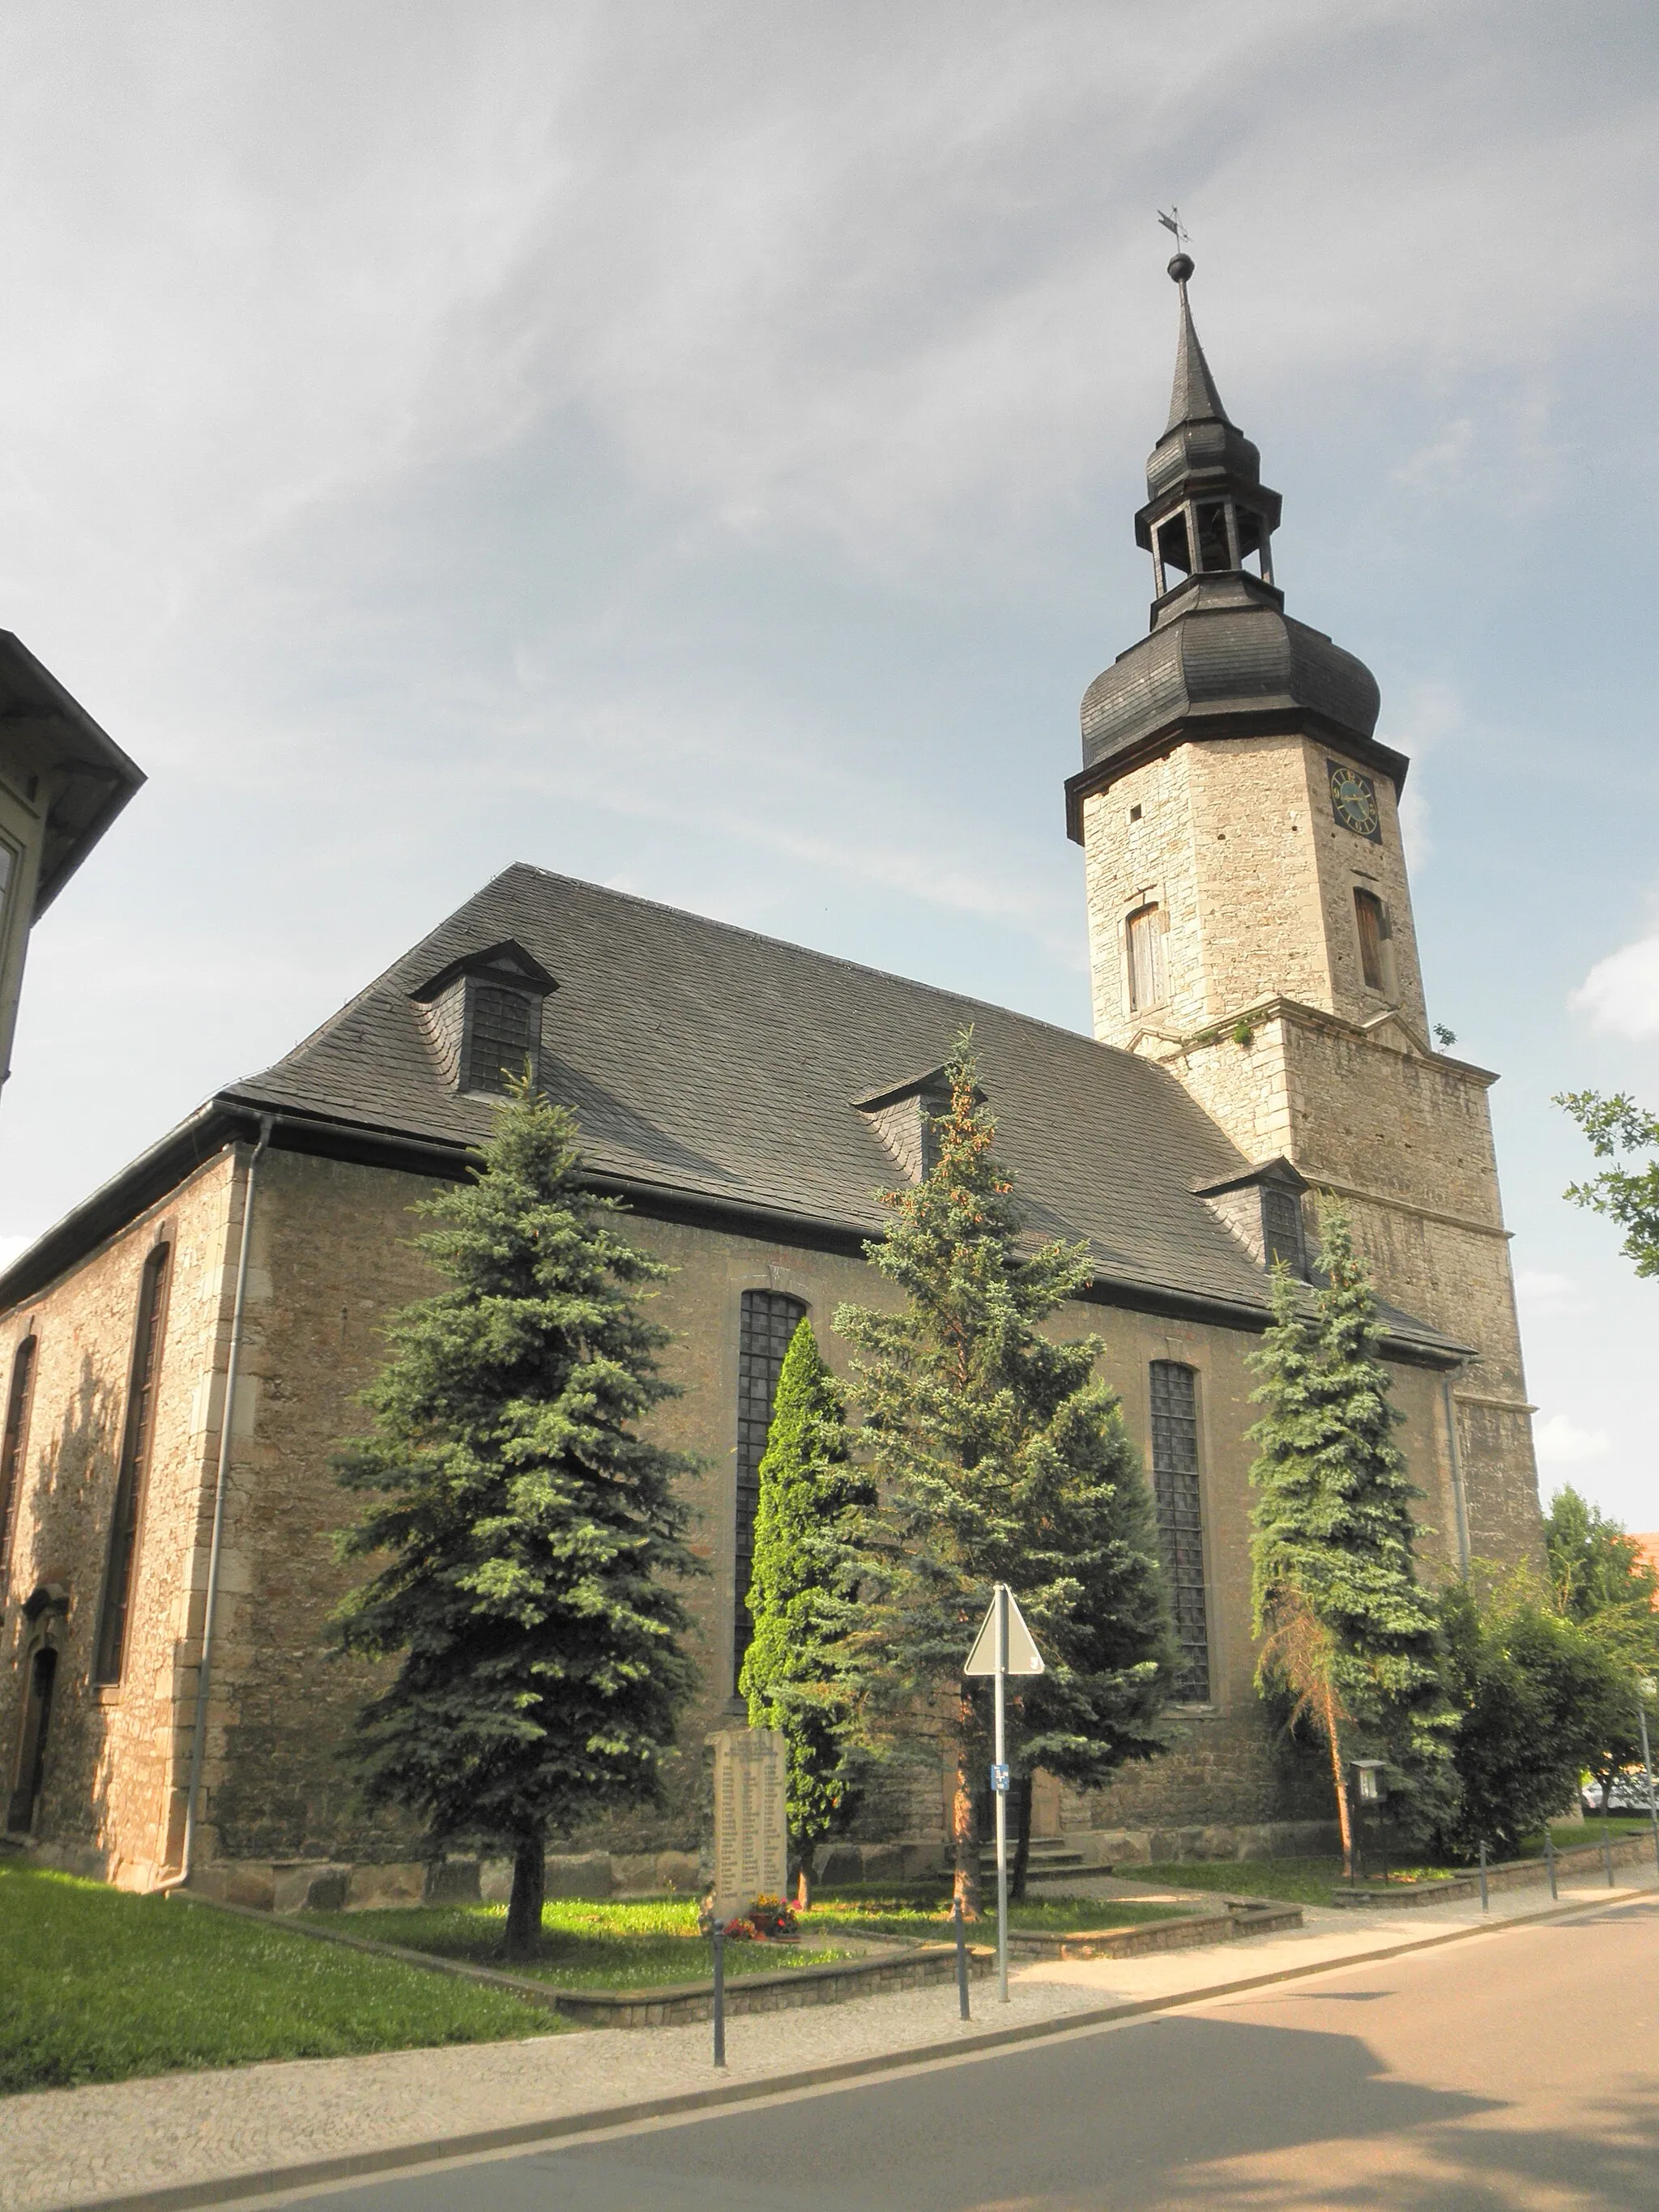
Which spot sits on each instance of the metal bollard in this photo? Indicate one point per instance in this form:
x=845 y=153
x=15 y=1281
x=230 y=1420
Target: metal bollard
x=1484 y=1903
x=720 y=1994
x=1549 y=1861
x=962 y=1957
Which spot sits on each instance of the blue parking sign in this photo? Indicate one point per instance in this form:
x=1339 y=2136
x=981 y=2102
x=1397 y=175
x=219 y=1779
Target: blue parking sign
x=999 y=1780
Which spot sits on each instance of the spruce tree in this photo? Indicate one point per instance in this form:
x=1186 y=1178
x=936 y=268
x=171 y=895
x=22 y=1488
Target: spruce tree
x=804 y=1592
x=998 y=1456
x=1348 y=1631
x=529 y=1535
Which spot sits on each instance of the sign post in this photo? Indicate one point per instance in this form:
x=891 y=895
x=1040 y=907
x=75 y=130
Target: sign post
x=1004 y=1646
x=1645 y=1687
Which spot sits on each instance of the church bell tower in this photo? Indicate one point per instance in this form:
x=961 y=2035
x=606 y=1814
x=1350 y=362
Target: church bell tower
x=1250 y=923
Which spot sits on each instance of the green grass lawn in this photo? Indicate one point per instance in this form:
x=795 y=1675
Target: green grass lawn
x=924 y=1911
x=585 y=1946
x=97 y=1985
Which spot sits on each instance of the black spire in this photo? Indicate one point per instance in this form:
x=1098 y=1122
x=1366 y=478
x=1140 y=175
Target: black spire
x=1207 y=510
x=1194 y=398
x=1223 y=659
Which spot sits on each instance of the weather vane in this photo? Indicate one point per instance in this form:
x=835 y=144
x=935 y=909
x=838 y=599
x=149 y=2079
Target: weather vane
x=1171 y=223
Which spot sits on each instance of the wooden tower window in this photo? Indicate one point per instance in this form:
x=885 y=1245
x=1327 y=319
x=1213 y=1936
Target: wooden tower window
x=1146 y=983
x=1372 y=918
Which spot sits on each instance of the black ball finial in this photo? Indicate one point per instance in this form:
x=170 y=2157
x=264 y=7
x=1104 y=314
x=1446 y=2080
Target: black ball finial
x=1180 y=268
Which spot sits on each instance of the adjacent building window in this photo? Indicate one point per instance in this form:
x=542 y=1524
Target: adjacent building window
x=135 y=1438
x=1372 y=917
x=1181 y=1523
x=1147 y=986
x=14 y=1446
x=502 y=1034
x=767 y=1321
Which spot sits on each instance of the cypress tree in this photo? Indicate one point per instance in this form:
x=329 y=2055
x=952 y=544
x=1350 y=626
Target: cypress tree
x=998 y=1456
x=804 y=1592
x=529 y=1534
x=1348 y=1631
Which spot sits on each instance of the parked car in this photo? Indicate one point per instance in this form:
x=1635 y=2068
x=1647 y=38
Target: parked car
x=1629 y=1793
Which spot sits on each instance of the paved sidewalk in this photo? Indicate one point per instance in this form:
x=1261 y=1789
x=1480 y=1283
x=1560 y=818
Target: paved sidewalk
x=190 y=2132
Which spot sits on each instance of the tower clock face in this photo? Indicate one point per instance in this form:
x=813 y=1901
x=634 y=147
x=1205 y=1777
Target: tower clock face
x=1353 y=801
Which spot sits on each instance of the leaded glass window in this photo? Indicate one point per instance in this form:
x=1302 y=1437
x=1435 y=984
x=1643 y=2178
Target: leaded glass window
x=767 y=1321
x=1181 y=1523
x=15 y=1445
x=136 y=1436
x=501 y=1036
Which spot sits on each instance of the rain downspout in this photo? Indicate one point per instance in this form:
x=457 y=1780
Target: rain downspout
x=204 y=1672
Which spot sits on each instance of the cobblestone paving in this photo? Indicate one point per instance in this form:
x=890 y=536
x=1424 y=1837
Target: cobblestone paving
x=71 y=2147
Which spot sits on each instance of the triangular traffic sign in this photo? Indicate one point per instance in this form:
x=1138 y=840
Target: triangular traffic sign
x=1023 y=1657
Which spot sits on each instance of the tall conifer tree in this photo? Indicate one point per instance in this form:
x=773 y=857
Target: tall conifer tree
x=998 y=1456
x=805 y=1593
x=1348 y=1631
x=530 y=1534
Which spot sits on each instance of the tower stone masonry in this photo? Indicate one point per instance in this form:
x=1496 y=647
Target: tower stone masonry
x=1250 y=926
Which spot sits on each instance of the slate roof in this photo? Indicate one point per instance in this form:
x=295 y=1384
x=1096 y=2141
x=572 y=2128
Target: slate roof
x=709 y=1065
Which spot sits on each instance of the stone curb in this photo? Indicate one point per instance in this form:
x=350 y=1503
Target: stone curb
x=187 y=2196
x=1501 y=1874
x=666 y=2004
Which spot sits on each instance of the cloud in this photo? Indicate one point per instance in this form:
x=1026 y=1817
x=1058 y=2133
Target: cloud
x=1620 y=997
x=1559 y=1442
x=1543 y=1293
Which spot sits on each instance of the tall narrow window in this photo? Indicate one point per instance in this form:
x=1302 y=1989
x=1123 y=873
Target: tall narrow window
x=1145 y=959
x=136 y=1437
x=14 y=1446
x=1373 y=920
x=1179 y=1522
x=767 y=1321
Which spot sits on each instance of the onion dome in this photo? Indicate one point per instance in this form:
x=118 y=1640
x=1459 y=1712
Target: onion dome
x=1223 y=659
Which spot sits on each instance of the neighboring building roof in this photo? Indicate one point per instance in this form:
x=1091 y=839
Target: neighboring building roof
x=96 y=778
x=719 y=1074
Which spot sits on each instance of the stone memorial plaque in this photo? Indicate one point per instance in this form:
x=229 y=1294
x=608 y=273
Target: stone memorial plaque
x=751 y=1837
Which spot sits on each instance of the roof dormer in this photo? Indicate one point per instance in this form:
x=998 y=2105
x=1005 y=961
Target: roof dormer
x=902 y=1117
x=1262 y=1207
x=483 y=1014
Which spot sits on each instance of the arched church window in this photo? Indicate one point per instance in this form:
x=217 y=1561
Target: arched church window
x=1146 y=983
x=14 y=1446
x=766 y=1320
x=137 y=1434
x=1181 y=1523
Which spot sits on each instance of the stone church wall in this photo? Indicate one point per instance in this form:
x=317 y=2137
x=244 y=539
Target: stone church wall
x=109 y=1802
x=330 y=1258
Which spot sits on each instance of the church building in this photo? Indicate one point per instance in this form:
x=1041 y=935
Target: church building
x=180 y=1355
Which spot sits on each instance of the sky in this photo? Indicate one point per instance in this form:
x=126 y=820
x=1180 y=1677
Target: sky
x=693 y=448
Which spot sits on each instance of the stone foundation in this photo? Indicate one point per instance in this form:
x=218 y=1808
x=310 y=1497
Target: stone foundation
x=333 y=1885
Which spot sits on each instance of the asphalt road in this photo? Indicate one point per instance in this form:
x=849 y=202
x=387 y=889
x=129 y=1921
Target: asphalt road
x=1519 y=2069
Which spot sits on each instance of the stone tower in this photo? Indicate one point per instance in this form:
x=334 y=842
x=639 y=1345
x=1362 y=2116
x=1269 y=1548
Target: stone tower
x=1250 y=928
